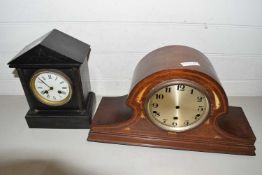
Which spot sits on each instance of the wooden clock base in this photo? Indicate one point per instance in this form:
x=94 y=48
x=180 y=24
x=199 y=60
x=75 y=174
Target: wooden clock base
x=62 y=119
x=114 y=122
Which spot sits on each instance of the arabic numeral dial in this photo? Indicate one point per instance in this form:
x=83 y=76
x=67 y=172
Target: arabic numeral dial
x=178 y=107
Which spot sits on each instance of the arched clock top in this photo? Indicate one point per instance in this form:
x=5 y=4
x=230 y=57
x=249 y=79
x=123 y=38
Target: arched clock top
x=173 y=57
x=172 y=64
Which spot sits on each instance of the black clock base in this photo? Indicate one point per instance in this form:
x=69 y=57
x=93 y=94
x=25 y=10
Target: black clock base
x=65 y=119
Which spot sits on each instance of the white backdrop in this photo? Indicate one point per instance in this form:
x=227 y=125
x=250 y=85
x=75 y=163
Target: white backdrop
x=120 y=33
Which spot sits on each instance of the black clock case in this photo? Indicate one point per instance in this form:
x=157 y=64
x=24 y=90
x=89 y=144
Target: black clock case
x=57 y=51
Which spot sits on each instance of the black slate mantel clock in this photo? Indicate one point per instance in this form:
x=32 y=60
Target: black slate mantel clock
x=54 y=74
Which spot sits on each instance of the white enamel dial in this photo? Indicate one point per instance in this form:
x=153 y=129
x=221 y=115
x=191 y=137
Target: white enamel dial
x=178 y=107
x=51 y=87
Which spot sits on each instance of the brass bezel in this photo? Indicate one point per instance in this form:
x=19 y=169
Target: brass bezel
x=43 y=100
x=175 y=82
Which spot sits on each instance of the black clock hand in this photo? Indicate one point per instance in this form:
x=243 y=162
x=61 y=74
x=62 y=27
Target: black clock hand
x=50 y=88
x=43 y=82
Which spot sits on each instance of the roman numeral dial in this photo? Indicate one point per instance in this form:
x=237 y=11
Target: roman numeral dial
x=178 y=107
x=51 y=87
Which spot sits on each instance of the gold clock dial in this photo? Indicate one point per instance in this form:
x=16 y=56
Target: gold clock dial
x=51 y=87
x=178 y=107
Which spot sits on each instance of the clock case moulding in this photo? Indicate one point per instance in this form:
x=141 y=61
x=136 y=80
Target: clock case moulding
x=57 y=51
x=123 y=119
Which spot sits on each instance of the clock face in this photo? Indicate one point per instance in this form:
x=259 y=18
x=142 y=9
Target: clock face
x=51 y=87
x=177 y=107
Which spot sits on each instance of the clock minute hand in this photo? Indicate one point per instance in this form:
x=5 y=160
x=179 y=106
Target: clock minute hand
x=44 y=83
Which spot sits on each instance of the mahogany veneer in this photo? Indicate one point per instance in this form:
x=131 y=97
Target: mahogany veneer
x=123 y=119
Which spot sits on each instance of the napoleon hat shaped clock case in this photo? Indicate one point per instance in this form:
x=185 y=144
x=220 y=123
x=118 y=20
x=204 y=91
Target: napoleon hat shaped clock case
x=175 y=101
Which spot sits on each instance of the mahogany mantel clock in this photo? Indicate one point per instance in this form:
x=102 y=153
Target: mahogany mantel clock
x=176 y=101
x=54 y=74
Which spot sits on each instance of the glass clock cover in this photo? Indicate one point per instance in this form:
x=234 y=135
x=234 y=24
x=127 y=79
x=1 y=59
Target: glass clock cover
x=51 y=87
